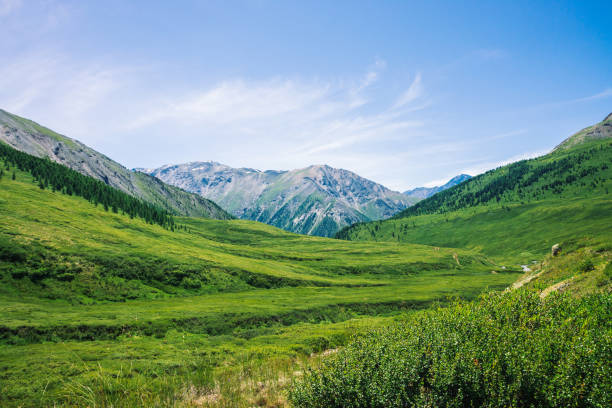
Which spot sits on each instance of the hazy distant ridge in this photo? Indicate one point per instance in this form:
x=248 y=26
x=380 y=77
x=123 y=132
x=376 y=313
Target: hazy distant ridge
x=424 y=192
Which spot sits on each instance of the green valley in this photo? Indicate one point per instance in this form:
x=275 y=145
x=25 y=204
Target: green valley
x=305 y=204
x=110 y=301
x=87 y=292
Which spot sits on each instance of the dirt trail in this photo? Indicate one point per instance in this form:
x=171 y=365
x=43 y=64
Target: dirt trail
x=557 y=287
x=524 y=281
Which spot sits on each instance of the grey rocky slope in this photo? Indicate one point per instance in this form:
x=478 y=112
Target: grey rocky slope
x=601 y=130
x=317 y=200
x=32 y=138
x=422 y=193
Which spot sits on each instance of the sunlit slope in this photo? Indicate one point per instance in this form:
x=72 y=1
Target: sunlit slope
x=516 y=212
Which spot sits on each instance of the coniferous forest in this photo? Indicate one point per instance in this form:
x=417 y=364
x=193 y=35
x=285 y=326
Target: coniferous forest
x=54 y=176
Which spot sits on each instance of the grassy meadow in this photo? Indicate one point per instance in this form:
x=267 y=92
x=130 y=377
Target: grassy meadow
x=100 y=309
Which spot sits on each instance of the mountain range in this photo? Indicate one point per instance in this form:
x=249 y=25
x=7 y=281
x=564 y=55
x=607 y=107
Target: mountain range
x=32 y=138
x=316 y=200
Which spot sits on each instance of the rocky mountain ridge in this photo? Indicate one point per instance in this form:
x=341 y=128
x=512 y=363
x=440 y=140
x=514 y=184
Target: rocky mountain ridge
x=316 y=200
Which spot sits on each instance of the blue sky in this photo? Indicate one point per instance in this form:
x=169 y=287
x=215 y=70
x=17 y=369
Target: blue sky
x=404 y=93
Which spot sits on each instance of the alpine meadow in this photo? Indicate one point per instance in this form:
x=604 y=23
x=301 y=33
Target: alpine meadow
x=432 y=236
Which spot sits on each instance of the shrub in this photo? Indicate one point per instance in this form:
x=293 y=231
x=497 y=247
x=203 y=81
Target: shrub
x=504 y=350
x=586 y=265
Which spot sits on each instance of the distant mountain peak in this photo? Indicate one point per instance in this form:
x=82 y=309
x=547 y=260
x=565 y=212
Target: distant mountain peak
x=458 y=179
x=422 y=193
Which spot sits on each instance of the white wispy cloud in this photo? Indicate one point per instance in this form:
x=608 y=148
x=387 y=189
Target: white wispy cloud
x=604 y=94
x=309 y=120
x=267 y=123
x=414 y=92
x=54 y=89
x=237 y=100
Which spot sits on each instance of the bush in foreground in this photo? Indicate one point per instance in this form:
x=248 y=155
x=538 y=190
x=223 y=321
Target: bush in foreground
x=505 y=350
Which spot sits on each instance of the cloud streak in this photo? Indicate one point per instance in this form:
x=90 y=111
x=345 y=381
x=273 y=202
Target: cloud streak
x=413 y=93
x=269 y=123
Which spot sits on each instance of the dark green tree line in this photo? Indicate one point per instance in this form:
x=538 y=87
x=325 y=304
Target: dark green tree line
x=61 y=178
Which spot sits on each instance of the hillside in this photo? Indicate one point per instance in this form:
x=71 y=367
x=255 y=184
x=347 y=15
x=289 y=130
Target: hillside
x=515 y=212
x=32 y=138
x=95 y=300
x=601 y=130
x=317 y=200
x=422 y=193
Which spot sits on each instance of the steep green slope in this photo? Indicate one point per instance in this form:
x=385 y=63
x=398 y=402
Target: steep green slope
x=515 y=212
x=52 y=175
x=97 y=308
x=32 y=138
x=580 y=267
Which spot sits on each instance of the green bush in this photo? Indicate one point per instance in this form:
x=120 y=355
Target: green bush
x=505 y=350
x=586 y=265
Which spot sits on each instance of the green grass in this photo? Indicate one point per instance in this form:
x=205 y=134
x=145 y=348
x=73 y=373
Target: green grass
x=512 y=234
x=171 y=370
x=100 y=309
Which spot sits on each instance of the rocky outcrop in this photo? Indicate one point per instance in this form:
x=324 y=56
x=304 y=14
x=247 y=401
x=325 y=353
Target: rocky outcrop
x=602 y=130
